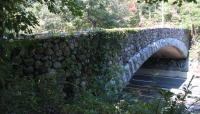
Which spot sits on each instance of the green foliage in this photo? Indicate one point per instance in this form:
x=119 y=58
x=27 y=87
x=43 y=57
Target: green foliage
x=16 y=17
x=134 y=21
x=21 y=16
x=168 y=16
x=61 y=15
x=22 y=95
x=189 y=15
x=96 y=14
x=42 y=95
x=175 y=2
x=88 y=103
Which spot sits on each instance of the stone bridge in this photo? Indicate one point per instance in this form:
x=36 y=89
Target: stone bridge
x=136 y=47
x=160 y=42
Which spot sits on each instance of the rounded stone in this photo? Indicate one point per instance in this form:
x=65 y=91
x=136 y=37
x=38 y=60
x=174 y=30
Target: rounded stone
x=57 y=65
x=29 y=61
x=56 y=48
x=28 y=70
x=61 y=58
x=49 y=51
x=48 y=64
x=38 y=64
x=44 y=58
x=46 y=44
x=59 y=53
x=62 y=45
x=52 y=71
x=16 y=60
x=66 y=51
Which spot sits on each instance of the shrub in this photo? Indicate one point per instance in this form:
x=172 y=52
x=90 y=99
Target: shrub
x=41 y=95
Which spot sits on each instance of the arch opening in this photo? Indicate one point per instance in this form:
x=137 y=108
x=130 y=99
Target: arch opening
x=168 y=52
x=138 y=59
x=165 y=67
x=161 y=46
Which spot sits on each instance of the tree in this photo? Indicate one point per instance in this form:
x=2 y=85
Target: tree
x=177 y=2
x=96 y=14
x=106 y=13
x=16 y=15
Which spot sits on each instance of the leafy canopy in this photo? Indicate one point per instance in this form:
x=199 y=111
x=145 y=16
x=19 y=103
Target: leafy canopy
x=16 y=15
x=175 y=2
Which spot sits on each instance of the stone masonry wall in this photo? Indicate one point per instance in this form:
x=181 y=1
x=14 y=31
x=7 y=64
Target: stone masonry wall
x=49 y=55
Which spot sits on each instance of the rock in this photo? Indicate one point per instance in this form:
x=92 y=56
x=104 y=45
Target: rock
x=38 y=64
x=73 y=57
x=49 y=51
x=57 y=65
x=42 y=67
x=40 y=50
x=61 y=58
x=52 y=71
x=28 y=70
x=38 y=57
x=29 y=61
x=22 y=52
x=83 y=84
x=55 y=48
x=67 y=74
x=62 y=45
x=16 y=60
x=54 y=58
x=82 y=57
x=50 y=58
x=76 y=44
x=56 y=41
x=48 y=64
x=18 y=70
x=66 y=51
x=78 y=73
x=59 y=53
x=15 y=51
x=33 y=52
x=72 y=46
x=46 y=44
x=44 y=58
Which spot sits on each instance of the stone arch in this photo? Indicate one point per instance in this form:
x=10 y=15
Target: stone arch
x=136 y=61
